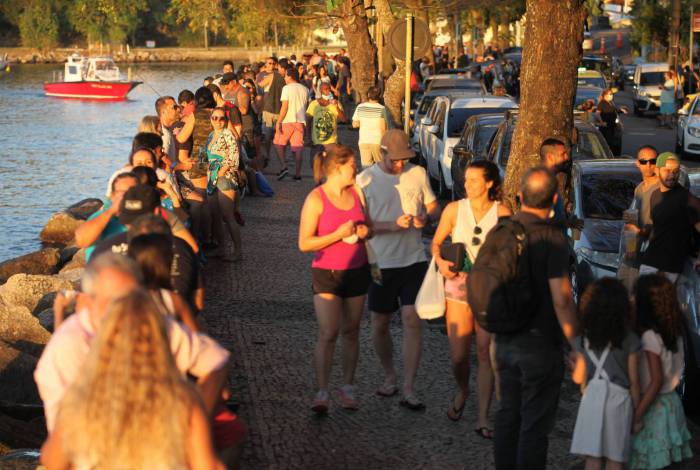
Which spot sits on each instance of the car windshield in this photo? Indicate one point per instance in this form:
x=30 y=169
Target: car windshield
x=593 y=64
x=607 y=195
x=590 y=145
x=425 y=104
x=458 y=117
x=460 y=84
x=592 y=81
x=482 y=138
x=651 y=78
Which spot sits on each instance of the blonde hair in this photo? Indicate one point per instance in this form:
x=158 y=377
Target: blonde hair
x=150 y=124
x=325 y=161
x=130 y=407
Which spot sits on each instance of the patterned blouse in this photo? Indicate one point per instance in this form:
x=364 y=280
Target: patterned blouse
x=227 y=149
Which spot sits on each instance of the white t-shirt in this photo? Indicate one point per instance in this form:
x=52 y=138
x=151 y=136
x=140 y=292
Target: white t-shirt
x=370 y=116
x=297 y=97
x=388 y=197
x=672 y=363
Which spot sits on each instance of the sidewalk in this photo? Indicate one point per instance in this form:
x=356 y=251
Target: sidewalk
x=261 y=309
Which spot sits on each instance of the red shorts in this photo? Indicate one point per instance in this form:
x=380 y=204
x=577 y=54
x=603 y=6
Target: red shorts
x=291 y=133
x=227 y=430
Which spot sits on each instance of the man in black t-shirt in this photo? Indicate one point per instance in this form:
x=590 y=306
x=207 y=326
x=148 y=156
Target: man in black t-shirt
x=529 y=364
x=675 y=214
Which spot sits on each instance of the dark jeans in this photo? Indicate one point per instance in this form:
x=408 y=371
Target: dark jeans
x=529 y=370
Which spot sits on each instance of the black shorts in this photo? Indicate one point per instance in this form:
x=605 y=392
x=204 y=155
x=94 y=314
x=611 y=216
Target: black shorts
x=398 y=284
x=342 y=283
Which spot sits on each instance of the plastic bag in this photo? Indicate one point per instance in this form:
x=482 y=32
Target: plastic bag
x=430 y=302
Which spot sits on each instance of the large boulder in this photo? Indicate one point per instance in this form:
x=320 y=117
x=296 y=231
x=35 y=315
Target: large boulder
x=44 y=261
x=16 y=376
x=85 y=208
x=77 y=261
x=19 y=328
x=60 y=229
x=28 y=289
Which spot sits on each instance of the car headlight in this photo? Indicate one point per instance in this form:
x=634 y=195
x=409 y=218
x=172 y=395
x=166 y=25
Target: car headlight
x=642 y=93
x=605 y=259
x=694 y=131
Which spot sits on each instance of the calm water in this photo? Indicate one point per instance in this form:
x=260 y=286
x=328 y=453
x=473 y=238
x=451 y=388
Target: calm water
x=55 y=152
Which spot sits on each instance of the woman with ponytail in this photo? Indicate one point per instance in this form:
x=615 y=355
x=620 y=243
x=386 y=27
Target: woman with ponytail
x=334 y=225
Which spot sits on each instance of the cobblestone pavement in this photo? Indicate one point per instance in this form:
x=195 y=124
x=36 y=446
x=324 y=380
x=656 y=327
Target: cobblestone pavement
x=261 y=309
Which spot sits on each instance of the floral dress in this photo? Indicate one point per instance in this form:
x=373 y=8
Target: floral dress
x=224 y=151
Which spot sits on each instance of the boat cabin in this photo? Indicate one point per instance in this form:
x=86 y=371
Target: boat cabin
x=93 y=69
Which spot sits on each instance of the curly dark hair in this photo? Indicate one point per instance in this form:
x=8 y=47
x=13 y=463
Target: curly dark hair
x=658 y=309
x=605 y=311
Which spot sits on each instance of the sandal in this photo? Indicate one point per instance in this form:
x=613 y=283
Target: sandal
x=412 y=403
x=484 y=433
x=347 y=397
x=455 y=414
x=320 y=404
x=387 y=390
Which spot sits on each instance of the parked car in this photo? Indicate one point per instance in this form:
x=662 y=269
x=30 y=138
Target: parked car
x=648 y=79
x=591 y=78
x=443 y=130
x=688 y=130
x=472 y=145
x=600 y=191
x=627 y=78
x=600 y=63
x=585 y=93
x=454 y=82
x=688 y=290
x=590 y=144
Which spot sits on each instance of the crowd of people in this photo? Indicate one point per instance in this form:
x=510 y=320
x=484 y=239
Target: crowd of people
x=131 y=337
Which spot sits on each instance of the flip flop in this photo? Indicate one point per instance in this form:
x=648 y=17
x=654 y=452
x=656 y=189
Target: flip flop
x=412 y=403
x=455 y=414
x=387 y=391
x=484 y=433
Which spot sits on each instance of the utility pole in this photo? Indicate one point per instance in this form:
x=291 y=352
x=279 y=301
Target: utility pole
x=674 y=34
x=206 y=34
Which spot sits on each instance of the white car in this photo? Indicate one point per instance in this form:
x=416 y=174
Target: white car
x=648 y=79
x=442 y=128
x=688 y=130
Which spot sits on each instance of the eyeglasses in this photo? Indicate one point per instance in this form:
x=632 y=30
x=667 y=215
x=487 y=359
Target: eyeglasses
x=651 y=161
x=218 y=118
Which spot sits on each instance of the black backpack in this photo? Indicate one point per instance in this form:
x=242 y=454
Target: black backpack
x=498 y=286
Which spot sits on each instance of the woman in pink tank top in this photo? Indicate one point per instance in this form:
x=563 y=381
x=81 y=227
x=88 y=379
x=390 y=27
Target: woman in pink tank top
x=334 y=226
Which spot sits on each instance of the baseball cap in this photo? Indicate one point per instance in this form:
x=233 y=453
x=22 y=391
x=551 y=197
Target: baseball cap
x=664 y=157
x=395 y=143
x=228 y=77
x=137 y=201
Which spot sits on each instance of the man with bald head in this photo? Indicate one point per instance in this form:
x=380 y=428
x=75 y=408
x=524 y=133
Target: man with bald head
x=529 y=364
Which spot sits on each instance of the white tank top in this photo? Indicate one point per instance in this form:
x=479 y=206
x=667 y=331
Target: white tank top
x=466 y=223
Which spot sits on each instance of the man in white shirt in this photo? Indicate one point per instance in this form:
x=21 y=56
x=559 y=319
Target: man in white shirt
x=291 y=122
x=400 y=203
x=372 y=120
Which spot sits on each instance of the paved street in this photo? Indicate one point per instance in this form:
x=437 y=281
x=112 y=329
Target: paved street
x=261 y=309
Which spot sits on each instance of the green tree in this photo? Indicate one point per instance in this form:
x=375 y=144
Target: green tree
x=111 y=20
x=200 y=15
x=38 y=25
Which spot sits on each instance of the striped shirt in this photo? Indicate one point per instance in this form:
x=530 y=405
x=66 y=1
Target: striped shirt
x=370 y=115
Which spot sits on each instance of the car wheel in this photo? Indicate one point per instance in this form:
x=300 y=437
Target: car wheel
x=638 y=112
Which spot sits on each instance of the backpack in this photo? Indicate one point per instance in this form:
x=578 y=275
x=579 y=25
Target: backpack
x=325 y=124
x=498 y=286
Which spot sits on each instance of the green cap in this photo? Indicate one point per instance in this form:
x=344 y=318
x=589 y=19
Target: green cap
x=664 y=157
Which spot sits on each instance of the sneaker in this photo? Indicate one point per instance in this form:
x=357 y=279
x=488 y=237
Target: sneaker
x=320 y=404
x=347 y=397
x=283 y=172
x=297 y=178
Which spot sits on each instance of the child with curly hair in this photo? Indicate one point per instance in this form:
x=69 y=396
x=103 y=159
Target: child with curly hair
x=606 y=368
x=661 y=435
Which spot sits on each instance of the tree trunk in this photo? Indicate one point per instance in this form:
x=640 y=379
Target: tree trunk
x=394 y=88
x=548 y=82
x=674 y=34
x=206 y=34
x=360 y=47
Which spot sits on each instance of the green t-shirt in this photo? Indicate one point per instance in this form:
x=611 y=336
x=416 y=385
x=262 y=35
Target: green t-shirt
x=325 y=123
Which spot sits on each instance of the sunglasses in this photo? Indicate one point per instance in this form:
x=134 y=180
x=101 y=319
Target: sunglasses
x=476 y=240
x=651 y=161
x=218 y=118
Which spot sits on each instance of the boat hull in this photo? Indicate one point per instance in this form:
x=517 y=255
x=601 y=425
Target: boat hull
x=103 y=91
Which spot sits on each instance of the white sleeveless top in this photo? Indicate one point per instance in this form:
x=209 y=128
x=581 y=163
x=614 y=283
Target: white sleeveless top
x=463 y=231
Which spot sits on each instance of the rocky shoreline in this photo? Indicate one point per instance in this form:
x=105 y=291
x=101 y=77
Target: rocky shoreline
x=29 y=284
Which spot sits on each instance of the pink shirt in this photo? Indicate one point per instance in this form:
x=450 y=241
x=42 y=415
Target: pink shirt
x=64 y=355
x=340 y=255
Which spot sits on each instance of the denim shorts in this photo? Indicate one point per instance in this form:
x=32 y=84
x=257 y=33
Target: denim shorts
x=226 y=184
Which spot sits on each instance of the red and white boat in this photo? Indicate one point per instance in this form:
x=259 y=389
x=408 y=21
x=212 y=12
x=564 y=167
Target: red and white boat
x=94 y=78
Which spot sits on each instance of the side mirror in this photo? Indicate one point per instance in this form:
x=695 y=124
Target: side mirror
x=433 y=129
x=426 y=121
x=683 y=112
x=461 y=152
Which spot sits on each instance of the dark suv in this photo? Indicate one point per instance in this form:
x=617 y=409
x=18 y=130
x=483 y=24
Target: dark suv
x=589 y=145
x=473 y=145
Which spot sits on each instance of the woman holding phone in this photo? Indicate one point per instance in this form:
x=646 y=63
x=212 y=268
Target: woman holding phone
x=468 y=221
